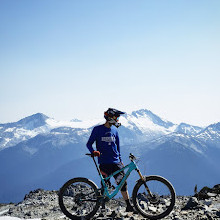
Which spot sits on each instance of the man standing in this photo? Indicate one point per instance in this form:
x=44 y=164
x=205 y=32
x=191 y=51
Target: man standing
x=108 y=149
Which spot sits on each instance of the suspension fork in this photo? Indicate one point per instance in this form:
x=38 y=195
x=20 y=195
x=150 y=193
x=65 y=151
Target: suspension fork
x=142 y=178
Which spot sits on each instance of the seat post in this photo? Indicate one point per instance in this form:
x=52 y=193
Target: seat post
x=91 y=155
x=96 y=165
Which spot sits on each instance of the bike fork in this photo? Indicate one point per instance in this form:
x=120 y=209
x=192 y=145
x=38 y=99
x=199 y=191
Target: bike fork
x=142 y=178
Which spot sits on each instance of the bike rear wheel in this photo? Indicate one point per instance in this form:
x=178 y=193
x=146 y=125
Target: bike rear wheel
x=78 y=198
x=161 y=201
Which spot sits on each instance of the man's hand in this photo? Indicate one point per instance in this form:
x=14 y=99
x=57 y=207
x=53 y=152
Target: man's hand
x=96 y=153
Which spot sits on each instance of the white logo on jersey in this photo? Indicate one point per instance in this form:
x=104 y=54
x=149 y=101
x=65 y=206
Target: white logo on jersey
x=108 y=139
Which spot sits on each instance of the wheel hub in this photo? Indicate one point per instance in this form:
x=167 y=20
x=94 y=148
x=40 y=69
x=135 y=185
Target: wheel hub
x=78 y=199
x=154 y=199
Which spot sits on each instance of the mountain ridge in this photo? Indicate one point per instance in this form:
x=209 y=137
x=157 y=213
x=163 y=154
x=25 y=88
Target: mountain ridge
x=35 y=158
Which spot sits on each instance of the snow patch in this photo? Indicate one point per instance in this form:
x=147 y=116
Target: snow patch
x=30 y=150
x=10 y=129
x=4 y=211
x=194 y=147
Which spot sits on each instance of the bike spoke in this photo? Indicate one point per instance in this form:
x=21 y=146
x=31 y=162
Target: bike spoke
x=79 y=199
x=159 y=202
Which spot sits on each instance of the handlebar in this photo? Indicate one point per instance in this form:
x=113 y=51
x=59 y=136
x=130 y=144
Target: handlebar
x=132 y=157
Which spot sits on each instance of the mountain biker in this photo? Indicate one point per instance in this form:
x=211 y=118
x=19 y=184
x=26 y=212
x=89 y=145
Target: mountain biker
x=108 y=149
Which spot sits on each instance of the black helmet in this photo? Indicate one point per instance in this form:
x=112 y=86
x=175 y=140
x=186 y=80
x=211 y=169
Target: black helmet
x=112 y=116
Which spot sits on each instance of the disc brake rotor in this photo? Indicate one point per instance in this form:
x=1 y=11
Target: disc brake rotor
x=78 y=199
x=155 y=199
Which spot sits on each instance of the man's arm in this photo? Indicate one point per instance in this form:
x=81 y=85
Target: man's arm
x=91 y=140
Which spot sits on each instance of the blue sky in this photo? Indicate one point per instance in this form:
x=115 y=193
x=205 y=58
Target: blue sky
x=74 y=59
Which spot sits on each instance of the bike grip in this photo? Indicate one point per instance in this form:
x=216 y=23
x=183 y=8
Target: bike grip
x=96 y=153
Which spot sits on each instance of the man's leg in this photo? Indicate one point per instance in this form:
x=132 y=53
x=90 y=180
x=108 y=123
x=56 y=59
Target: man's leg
x=124 y=191
x=125 y=196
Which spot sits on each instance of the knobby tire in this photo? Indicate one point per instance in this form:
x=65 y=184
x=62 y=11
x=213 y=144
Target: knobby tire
x=142 y=201
x=65 y=192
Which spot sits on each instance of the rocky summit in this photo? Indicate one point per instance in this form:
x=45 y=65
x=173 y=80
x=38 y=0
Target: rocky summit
x=43 y=204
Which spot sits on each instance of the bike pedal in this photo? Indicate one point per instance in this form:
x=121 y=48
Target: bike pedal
x=103 y=209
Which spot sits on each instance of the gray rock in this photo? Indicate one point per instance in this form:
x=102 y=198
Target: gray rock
x=211 y=194
x=192 y=203
x=207 y=202
x=44 y=205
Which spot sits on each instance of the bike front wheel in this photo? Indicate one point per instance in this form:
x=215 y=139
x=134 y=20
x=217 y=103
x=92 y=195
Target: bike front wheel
x=161 y=201
x=78 y=198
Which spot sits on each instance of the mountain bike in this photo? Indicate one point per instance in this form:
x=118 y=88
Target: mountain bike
x=153 y=196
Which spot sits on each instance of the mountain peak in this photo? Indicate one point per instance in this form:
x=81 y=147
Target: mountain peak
x=33 y=121
x=38 y=116
x=154 y=118
x=215 y=126
x=141 y=112
x=76 y=120
x=185 y=128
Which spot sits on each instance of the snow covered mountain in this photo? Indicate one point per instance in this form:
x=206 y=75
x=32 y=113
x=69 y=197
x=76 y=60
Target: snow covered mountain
x=13 y=133
x=31 y=126
x=188 y=129
x=143 y=125
x=139 y=126
x=210 y=134
x=39 y=151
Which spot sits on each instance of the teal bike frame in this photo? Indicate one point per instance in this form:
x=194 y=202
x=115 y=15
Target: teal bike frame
x=131 y=166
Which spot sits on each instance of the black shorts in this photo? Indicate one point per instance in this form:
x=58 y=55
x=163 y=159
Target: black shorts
x=108 y=169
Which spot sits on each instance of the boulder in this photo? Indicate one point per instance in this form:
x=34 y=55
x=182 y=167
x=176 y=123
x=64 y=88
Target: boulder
x=192 y=203
x=206 y=192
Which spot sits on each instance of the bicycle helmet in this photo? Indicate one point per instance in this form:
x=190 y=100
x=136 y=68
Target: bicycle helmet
x=112 y=116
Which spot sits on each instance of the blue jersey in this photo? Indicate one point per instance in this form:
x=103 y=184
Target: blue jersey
x=107 y=143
